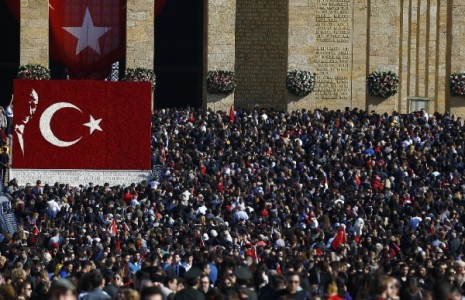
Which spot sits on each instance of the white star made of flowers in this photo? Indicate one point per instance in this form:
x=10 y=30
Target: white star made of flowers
x=93 y=124
x=88 y=34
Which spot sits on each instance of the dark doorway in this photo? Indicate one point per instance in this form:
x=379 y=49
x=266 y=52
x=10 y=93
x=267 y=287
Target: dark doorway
x=9 y=52
x=179 y=54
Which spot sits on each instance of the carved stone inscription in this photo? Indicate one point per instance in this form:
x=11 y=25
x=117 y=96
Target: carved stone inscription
x=261 y=53
x=333 y=21
x=333 y=49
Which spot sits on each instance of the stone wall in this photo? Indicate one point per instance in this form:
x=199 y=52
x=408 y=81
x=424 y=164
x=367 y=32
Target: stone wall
x=76 y=177
x=321 y=39
x=221 y=55
x=261 y=53
x=383 y=47
x=420 y=40
x=340 y=40
x=140 y=37
x=457 y=51
x=34 y=32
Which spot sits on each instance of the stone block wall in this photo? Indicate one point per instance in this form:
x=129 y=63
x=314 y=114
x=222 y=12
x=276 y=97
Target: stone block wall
x=457 y=51
x=140 y=37
x=34 y=32
x=221 y=55
x=340 y=40
x=383 y=44
x=418 y=39
x=321 y=40
x=261 y=53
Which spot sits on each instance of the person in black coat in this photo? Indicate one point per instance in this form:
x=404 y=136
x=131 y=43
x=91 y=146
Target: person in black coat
x=4 y=162
x=191 y=292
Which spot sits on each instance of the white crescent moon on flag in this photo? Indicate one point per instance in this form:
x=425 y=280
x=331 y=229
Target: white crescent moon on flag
x=46 y=118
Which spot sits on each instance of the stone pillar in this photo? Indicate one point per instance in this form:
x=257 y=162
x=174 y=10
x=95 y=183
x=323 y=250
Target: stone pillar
x=34 y=32
x=424 y=57
x=457 y=64
x=384 y=47
x=359 y=54
x=140 y=35
x=221 y=20
x=443 y=54
x=322 y=38
x=261 y=53
x=302 y=39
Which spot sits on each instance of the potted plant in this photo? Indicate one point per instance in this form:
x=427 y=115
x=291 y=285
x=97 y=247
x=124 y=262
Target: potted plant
x=457 y=84
x=33 y=72
x=220 y=82
x=300 y=82
x=382 y=83
x=140 y=75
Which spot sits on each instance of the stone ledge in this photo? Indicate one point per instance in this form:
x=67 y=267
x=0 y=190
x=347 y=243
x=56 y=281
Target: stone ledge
x=76 y=177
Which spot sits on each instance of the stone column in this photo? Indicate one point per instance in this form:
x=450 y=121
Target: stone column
x=34 y=32
x=322 y=36
x=261 y=53
x=384 y=47
x=444 y=32
x=457 y=63
x=221 y=16
x=359 y=54
x=140 y=36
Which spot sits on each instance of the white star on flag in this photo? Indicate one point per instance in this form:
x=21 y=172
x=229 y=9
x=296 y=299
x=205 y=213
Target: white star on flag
x=93 y=124
x=88 y=34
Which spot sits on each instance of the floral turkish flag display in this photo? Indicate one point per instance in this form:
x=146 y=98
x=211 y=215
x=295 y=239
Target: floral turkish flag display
x=81 y=124
x=87 y=36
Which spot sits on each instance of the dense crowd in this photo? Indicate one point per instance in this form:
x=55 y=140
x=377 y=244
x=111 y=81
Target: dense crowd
x=259 y=204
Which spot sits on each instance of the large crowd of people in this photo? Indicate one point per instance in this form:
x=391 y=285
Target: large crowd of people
x=258 y=204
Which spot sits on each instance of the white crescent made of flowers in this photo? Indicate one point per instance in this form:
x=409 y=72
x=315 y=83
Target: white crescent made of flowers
x=44 y=124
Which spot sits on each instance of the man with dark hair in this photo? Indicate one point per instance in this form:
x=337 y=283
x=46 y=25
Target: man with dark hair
x=293 y=288
x=277 y=282
x=204 y=284
x=152 y=293
x=166 y=261
x=191 y=292
x=244 y=279
x=62 y=289
x=110 y=288
x=97 y=283
x=67 y=269
x=176 y=269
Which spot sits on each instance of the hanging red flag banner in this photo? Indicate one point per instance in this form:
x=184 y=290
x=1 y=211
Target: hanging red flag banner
x=87 y=36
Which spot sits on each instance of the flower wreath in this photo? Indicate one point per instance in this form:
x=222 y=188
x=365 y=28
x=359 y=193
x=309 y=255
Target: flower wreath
x=33 y=72
x=220 y=82
x=382 y=84
x=457 y=84
x=300 y=82
x=140 y=75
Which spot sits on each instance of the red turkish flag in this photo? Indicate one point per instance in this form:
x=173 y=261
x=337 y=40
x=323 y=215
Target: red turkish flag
x=220 y=185
x=81 y=124
x=118 y=244
x=113 y=229
x=87 y=36
x=36 y=230
x=340 y=238
x=232 y=115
